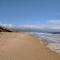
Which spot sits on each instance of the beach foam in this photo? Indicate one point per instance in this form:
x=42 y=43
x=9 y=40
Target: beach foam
x=52 y=41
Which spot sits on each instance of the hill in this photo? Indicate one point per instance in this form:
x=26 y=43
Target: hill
x=2 y=29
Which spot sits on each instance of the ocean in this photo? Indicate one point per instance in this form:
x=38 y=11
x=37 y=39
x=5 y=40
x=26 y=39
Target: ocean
x=52 y=41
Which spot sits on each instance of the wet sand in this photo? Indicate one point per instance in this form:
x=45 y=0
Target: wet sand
x=23 y=46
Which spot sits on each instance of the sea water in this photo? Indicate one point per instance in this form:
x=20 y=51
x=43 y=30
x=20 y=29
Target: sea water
x=52 y=40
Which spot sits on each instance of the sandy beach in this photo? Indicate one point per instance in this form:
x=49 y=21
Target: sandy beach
x=23 y=46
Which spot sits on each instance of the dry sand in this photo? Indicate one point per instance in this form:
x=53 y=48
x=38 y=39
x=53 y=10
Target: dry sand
x=22 y=46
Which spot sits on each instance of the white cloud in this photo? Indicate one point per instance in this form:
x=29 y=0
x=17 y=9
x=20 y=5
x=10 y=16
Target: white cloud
x=7 y=25
x=52 y=25
x=54 y=21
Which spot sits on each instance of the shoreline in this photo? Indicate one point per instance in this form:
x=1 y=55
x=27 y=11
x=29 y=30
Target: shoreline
x=51 y=46
x=23 y=46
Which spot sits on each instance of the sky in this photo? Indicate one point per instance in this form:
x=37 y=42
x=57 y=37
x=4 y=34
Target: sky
x=29 y=12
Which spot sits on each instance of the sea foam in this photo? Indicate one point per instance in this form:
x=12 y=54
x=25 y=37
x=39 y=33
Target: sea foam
x=52 y=41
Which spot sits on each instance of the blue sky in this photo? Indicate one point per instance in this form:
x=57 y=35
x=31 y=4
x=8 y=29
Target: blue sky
x=33 y=12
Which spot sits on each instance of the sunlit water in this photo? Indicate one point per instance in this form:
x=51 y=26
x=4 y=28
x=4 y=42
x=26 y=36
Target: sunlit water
x=52 y=40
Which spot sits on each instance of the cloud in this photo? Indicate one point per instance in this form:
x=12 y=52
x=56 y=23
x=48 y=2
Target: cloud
x=51 y=26
x=54 y=21
x=31 y=26
x=7 y=25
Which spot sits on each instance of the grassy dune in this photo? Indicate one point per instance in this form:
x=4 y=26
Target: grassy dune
x=23 y=46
